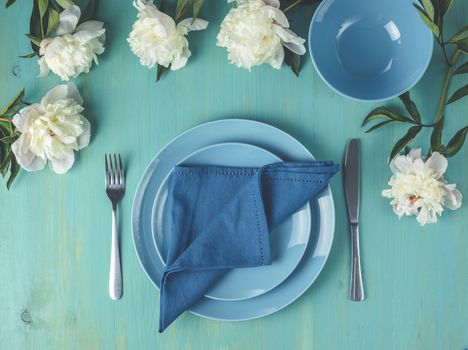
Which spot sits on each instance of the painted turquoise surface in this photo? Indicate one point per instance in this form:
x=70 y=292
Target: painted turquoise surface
x=55 y=229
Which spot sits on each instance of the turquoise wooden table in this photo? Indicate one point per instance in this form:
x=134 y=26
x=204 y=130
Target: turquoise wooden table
x=56 y=229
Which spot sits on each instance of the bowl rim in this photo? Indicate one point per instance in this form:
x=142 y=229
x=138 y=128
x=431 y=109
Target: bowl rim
x=380 y=99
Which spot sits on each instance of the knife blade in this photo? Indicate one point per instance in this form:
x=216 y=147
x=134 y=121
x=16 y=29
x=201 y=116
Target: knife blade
x=351 y=180
x=352 y=187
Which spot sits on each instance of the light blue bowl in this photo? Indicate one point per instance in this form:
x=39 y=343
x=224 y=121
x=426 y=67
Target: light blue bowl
x=369 y=50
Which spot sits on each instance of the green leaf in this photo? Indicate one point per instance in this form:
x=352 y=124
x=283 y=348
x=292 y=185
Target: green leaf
x=160 y=72
x=425 y=17
x=29 y=55
x=9 y=3
x=384 y=112
x=15 y=101
x=410 y=107
x=88 y=12
x=180 y=7
x=8 y=139
x=14 y=170
x=42 y=5
x=444 y=6
x=461 y=35
x=436 y=136
x=379 y=125
x=4 y=170
x=456 y=143
x=53 y=21
x=461 y=92
x=461 y=69
x=293 y=60
x=6 y=161
x=35 y=28
x=427 y=4
x=34 y=39
x=406 y=139
x=197 y=5
x=463 y=46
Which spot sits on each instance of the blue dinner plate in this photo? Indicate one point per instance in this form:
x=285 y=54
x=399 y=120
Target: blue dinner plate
x=288 y=241
x=248 y=132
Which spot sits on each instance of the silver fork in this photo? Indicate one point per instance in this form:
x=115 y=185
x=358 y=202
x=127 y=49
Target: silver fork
x=115 y=189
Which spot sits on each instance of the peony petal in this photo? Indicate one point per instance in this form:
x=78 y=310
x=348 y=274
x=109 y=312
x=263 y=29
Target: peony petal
x=291 y=40
x=55 y=94
x=405 y=165
x=415 y=153
x=90 y=26
x=139 y=5
x=61 y=92
x=150 y=10
x=182 y=60
x=423 y=216
x=83 y=139
x=192 y=25
x=453 y=199
x=272 y=3
x=43 y=67
x=278 y=16
x=277 y=60
x=72 y=92
x=22 y=119
x=167 y=22
x=68 y=20
x=297 y=49
x=25 y=158
x=438 y=163
x=61 y=166
x=89 y=30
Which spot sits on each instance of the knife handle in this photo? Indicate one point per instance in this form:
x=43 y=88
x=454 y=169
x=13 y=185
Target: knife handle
x=356 y=288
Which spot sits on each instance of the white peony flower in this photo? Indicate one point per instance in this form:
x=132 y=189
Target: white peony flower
x=51 y=130
x=156 y=39
x=74 y=48
x=418 y=187
x=255 y=32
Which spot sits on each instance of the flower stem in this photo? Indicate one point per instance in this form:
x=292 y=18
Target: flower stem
x=442 y=44
x=5 y=120
x=291 y=5
x=448 y=76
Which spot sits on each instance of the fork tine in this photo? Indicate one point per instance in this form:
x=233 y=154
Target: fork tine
x=113 y=167
x=122 y=175
x=107 y=170
x=116 y=168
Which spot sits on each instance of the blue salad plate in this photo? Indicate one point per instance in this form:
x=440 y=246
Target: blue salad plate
x=288 y=242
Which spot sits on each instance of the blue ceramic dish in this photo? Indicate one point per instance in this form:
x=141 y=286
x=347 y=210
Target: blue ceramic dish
x=288 y=241
x=369 y=50
x=269 y=138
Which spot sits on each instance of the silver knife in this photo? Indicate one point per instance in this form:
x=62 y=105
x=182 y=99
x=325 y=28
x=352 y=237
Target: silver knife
x=351 y=186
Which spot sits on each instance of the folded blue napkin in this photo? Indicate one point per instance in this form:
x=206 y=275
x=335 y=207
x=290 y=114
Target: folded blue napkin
x=219 y=218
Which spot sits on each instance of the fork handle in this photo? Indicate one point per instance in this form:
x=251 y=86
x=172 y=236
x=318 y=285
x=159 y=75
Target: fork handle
x=356 y=289
x=115 y=274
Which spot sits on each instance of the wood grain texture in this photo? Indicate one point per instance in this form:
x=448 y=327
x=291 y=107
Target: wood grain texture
x=56 y=230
